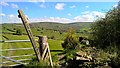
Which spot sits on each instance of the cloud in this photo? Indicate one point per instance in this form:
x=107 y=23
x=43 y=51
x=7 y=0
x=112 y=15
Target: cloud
x=14 y=6
x=51 y=19
x=69 y=14
x=84 y=18
x=11 y=5
x=36 y=0
x=72 y=6
x=4 y=4
x=13 y=19
x=115 y=6
x=2 y=14
x=87 y=6
x=88 y=16
x=11 y=16
x=59 y=6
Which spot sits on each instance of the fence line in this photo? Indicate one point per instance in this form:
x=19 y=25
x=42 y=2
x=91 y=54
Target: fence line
x=15 y=61
x=21 y=56
x=23 y=60
x=43 y=48
x=13 y=41
x=16 y=49
x=10 y=58
x=15 y=65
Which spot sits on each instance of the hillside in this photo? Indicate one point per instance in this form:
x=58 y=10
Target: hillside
x=53 y=25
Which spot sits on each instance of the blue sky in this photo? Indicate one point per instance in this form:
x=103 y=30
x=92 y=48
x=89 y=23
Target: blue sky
x=64 y=12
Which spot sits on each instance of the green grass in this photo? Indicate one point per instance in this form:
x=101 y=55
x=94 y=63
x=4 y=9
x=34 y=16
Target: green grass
x=57 y=31
x=53 y=44
x=16 y=37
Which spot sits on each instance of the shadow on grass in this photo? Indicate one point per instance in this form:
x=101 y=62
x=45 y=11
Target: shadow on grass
x=56 y=50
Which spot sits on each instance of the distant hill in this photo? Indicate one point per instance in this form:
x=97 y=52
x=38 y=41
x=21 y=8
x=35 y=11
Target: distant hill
x=53 y=25
x=61 y=26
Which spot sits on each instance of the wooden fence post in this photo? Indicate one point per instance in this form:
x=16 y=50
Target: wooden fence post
x=44 y=49
x=42 y=41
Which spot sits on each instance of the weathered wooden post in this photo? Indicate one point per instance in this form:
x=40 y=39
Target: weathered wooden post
x=42 y=41
x=44 y=49
x=30 y=35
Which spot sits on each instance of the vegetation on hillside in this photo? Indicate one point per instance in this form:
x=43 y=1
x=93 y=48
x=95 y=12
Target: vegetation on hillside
x=106 y=35
x=106 y=31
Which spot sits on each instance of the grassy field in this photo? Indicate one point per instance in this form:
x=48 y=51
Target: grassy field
x=56 y=34
x=53 y=44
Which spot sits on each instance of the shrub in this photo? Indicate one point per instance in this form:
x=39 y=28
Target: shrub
x=71 y=41
x=69 y=45
x=106 y=31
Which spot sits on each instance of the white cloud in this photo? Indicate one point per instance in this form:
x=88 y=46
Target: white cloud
x=84 y=18
x=72 y=6
x=13 y=18
x=87 y=6
x=36 y=0
x=59 y=6
x=88 y=16
x=85 y=12
x=14 y=6
x=51 y=19
x=4 y=4
x=69 y=14
x=11 y=5
x=115 y=6
x=2 y=14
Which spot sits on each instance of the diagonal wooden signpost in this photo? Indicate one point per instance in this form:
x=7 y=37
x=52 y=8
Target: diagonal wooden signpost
x=30 y=35
x=43 y=52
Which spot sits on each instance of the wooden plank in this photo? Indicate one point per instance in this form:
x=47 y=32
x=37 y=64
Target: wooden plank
x=28 y=30
x=16 y=49
x=46 y=56
x=5 y=62
x=50 y=56
x=16 y=60
x=23 y=60
x=13 y=41
x=20 y=56
x=14 y=65
x=12 y=60
x=43 y=54
x=17 y=64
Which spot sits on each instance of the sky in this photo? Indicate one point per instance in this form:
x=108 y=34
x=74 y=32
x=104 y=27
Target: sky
x=63 y=12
